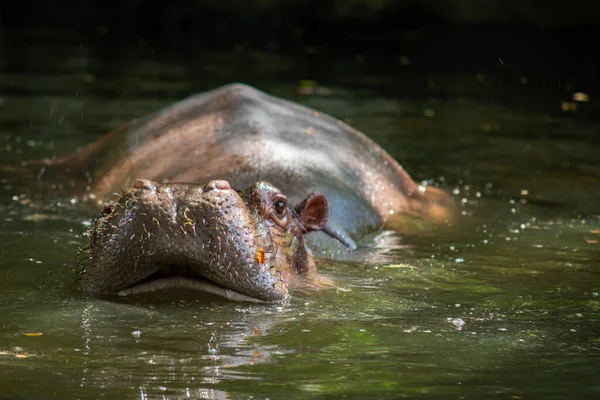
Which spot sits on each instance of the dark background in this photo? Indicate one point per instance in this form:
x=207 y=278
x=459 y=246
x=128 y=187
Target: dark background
x=556 y=38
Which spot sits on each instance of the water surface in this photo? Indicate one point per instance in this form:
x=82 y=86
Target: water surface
x=504 y=303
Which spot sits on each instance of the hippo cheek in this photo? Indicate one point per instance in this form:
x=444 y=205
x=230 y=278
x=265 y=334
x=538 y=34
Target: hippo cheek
x=234 y=249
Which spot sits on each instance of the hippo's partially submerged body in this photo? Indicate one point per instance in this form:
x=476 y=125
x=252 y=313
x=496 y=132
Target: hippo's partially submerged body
x=241 y=135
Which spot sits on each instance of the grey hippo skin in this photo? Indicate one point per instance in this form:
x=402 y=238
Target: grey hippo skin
x=243 y=136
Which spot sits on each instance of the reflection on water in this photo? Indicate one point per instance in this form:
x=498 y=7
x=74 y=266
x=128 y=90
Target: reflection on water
x=502 y=304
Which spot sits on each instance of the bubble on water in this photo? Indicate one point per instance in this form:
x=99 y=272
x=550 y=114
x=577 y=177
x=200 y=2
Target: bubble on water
x=459 y=260
x=136 y=333
x=458 y=305
x=457 y=322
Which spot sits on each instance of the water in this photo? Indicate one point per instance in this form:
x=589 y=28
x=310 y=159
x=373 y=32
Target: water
x=505 y=303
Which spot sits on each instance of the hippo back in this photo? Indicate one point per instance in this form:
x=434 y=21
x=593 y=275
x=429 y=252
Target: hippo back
x=243 y=135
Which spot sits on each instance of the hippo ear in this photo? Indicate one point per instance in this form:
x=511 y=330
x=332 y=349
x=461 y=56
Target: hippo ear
x=313 y=212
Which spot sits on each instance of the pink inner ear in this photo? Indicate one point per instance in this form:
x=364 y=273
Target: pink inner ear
x=313 y=212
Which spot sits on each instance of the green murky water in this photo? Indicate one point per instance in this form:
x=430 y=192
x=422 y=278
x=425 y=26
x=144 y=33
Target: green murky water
x=504 y=304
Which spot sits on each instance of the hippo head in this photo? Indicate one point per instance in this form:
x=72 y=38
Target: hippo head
x=245 y=245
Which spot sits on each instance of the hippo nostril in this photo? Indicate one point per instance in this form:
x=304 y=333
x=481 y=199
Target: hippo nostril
x=220 y=185
x=144 y=184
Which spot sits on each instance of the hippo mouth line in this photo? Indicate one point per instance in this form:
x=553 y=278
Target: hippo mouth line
x=177 y=278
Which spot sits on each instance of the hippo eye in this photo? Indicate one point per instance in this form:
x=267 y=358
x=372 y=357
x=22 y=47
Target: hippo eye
x=278 y=210
x=280 y=207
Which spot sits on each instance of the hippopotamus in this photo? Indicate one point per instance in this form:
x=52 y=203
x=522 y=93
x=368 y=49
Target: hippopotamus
x=295 y=170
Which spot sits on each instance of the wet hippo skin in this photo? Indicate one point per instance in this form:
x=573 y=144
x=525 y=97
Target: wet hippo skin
x=242 y=135
x=204 y=176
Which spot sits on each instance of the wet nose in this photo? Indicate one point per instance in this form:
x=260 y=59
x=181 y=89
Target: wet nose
x=144 y=184
x=220 y=184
